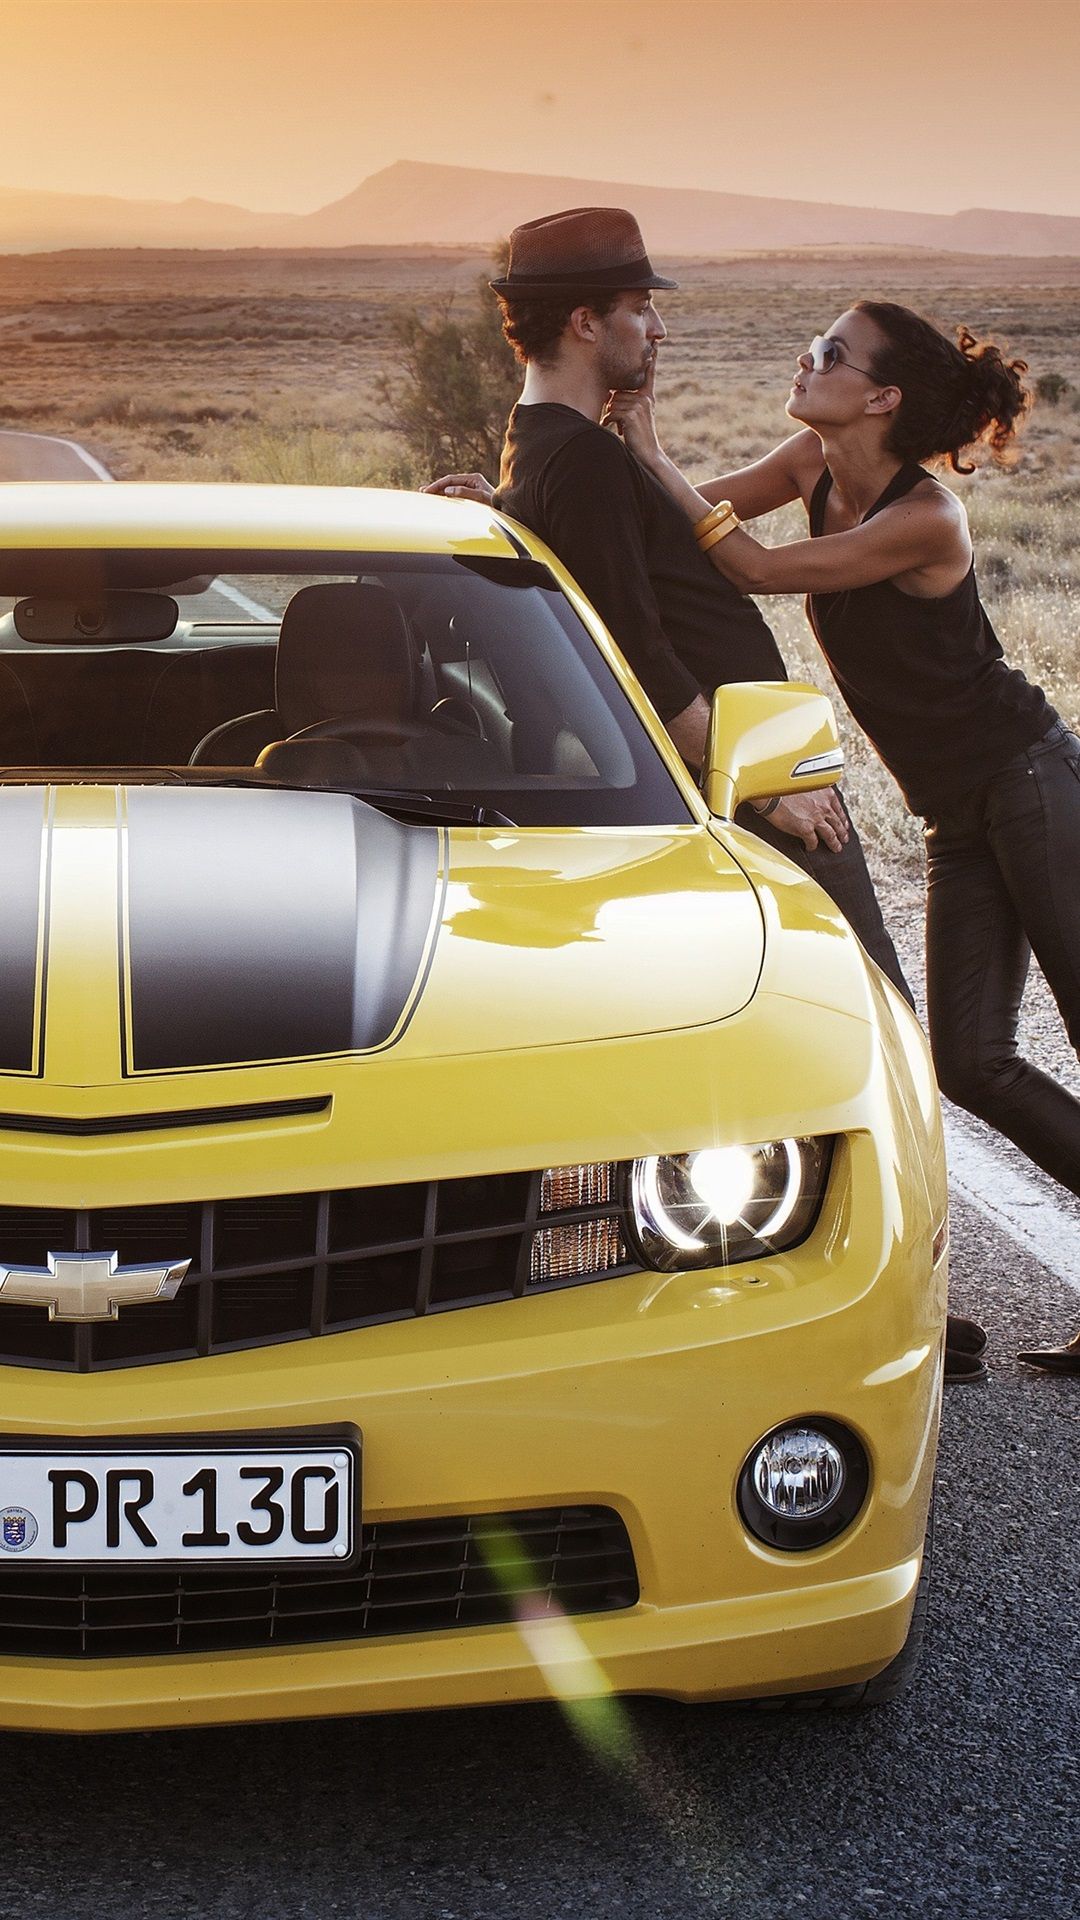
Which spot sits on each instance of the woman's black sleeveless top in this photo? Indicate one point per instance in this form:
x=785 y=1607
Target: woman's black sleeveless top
x=925 y=679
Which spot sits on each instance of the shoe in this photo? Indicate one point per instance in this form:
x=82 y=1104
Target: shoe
x=963 y=1335
x=1064 y=1359
x=965 y=1368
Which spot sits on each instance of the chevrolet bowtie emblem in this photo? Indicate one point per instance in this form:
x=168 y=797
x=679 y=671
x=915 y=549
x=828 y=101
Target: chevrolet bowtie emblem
x=88 y=1286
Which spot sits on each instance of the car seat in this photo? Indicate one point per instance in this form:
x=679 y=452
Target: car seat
x=342 y=648
x=347 y=669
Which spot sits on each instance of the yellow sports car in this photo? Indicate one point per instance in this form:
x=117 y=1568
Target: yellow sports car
x=472 y=1219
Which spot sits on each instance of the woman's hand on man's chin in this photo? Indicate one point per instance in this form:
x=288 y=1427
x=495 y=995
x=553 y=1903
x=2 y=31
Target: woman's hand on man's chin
x=633 y=416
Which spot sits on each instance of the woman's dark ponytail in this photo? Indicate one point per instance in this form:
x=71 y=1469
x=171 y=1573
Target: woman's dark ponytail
x=953 y=396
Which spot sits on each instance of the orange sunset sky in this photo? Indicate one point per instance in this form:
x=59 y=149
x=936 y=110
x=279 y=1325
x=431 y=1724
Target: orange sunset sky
x=287 y=104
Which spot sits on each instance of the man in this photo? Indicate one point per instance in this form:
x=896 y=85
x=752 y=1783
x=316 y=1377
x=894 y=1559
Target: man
x=578 y=310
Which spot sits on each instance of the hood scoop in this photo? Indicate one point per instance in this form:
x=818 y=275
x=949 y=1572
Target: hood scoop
x=270 y=926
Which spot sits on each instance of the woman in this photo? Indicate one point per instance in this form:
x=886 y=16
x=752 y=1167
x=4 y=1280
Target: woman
x=976 y=749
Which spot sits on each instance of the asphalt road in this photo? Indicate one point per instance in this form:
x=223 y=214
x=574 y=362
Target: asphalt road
x=38 y=456
x=961 y=1799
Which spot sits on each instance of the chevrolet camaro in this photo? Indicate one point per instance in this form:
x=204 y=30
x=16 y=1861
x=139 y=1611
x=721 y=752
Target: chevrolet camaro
x=472 y=1218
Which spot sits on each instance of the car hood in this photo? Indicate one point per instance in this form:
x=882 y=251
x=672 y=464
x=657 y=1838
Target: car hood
x=549 y=937
x=157 y=930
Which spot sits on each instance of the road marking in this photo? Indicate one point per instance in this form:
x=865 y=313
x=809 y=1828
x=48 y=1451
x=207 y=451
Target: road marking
x=241 y=600
x=100 y=472
x=1013 y=1204
x=54 y=440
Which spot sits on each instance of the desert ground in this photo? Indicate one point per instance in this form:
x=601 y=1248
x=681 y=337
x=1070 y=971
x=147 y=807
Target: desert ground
x=273 y=366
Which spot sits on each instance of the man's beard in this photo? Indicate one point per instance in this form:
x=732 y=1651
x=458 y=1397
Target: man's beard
x=620 y=374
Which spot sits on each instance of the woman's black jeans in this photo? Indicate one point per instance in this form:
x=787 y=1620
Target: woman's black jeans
x=1003 y=874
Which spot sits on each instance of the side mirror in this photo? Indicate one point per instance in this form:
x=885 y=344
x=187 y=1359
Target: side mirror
x=766 y=737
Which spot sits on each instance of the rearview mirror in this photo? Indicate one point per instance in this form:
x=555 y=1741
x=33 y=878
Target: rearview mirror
x=767 y=737
x=112 y=617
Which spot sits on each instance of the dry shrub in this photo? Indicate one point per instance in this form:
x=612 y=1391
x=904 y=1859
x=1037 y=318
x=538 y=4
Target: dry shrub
x=284 y=451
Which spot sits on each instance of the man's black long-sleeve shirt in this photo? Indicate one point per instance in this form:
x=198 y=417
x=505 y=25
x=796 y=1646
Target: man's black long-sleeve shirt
x=683 y=628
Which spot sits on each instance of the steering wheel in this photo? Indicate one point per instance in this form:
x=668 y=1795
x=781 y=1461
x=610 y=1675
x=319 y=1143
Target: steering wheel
x=357 y=730
x=454 y=714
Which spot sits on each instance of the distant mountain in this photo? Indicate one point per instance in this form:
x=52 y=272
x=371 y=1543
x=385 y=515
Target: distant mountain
x=37 y=222
x=415 y=203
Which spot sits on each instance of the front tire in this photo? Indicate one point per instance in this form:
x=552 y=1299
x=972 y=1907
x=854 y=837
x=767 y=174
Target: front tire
x=897 y=1677
x=894 y=1679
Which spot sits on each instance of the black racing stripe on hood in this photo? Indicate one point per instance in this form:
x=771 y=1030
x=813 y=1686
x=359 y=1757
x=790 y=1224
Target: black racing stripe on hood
x=269 y=926
x=22 y=845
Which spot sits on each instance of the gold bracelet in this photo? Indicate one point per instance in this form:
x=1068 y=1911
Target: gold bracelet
x=720 y=533
x=713 y=518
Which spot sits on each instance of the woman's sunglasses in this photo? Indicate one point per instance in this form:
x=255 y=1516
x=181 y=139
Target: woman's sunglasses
x=825 y=354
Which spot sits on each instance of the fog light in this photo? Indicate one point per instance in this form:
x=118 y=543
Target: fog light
x=803 y=1484
x=798 y=1472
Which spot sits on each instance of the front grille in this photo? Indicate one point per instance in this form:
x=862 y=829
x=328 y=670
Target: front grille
x=414 y=1576
x=279 y=1267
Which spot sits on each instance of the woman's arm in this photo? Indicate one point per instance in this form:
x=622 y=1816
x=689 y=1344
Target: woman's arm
x=922 y=532
x=912 y=536
x=789 y=472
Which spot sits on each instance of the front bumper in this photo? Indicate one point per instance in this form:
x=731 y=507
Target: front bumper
x=642 y=1393
x=719 y=1649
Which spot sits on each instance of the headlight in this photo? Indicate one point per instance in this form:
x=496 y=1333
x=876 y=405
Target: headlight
x=723 y=1204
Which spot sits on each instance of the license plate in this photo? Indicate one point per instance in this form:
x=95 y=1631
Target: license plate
x=254 y=1500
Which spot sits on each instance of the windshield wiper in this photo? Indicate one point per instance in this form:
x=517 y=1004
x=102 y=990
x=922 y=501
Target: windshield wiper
x=404 y=800
x=400 y=801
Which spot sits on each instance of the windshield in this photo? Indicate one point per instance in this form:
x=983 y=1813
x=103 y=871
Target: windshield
x=469 y=683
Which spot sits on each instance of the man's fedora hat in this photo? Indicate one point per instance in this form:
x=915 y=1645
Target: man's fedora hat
x=588 y=249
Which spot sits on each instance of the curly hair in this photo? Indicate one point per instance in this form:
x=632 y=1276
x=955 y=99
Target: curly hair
x=954 y=397
x=534 y=327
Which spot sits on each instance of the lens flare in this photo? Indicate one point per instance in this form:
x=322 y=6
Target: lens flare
x=572 y=1675
x=598 y=1718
